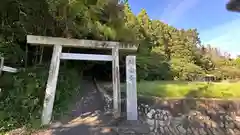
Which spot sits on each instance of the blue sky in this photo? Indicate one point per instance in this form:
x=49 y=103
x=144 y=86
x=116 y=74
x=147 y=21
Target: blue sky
x=216 y=25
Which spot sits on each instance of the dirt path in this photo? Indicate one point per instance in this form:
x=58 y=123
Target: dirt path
x=87 y=112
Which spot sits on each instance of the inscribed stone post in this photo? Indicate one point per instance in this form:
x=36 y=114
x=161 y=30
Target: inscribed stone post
x=131 y=88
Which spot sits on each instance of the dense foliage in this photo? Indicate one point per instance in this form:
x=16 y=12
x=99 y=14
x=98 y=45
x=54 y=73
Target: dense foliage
x=168 y=53
x=165 y=52
x=22 y=95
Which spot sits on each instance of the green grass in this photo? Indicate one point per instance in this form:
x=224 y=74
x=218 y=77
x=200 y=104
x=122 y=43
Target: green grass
x=178 y=89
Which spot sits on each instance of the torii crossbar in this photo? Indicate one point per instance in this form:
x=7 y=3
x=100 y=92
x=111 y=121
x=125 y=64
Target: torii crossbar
x=57 y=55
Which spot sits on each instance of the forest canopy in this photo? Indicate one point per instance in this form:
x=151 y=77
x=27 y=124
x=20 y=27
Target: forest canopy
x=165 y=52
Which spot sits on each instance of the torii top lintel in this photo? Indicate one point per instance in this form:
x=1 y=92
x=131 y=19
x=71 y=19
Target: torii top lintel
x=79 y=43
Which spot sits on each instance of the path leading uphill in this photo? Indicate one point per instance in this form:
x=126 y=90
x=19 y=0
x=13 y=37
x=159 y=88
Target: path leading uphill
x=87 y=112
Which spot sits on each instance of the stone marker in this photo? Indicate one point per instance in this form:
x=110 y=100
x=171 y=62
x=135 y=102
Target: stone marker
x=131 y=88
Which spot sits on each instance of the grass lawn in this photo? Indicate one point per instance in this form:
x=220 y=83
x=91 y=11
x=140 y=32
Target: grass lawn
x=189 y=89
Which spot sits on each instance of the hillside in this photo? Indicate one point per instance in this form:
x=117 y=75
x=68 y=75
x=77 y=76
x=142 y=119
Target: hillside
x=164 y=53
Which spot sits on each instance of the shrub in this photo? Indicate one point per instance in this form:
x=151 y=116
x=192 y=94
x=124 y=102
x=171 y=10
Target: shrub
x=22 y=96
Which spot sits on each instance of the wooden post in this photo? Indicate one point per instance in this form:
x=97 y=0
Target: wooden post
x=1 y=65
x=51 y=85
x=116 y=82
x=132 y=113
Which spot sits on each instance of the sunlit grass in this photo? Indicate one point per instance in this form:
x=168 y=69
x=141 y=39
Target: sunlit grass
x=189 y=89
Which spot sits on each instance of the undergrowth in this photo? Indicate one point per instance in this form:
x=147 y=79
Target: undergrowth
x=22 y=95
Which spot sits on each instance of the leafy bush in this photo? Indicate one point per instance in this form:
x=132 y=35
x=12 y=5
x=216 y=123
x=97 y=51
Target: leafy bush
x=22 y=95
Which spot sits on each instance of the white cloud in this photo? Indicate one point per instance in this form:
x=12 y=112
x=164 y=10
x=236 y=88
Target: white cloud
x=221 y=30
x=177 y=12
x=226 y=36
x=170 y=6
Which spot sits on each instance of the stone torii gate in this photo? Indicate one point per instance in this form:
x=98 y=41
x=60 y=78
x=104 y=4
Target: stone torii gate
x=57 y=55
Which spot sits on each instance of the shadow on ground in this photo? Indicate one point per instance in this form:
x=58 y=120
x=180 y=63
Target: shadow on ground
x=86 y=125
x=85 y=114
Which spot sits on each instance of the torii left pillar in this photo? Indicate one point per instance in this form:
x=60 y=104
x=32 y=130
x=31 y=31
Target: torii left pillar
x=51 y=85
